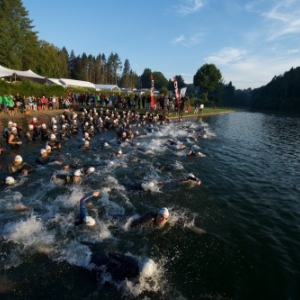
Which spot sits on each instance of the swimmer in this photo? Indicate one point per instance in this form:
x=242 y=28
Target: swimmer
x=44 y=158
x=152 y=219
x=9 y=181
x=18 y=166
x=190 y=178
x=121 y=266
x=192 y=152
x=70 y=179
x=86 y=171
x=53 y=142
x=83 y=217
x=14 y=139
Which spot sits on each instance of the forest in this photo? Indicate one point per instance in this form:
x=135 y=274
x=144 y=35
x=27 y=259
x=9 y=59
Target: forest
x=21 y=49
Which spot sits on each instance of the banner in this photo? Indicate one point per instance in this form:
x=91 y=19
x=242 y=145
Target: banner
x=176 y=92
x=152 y=104
x=182 y=92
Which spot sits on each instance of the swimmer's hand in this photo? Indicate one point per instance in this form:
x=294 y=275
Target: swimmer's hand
x=96 y=193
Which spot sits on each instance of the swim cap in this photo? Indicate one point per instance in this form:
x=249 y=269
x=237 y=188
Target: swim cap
x=30 y=126
x=91 y=169
x=120 y=151
x=105 y=144
x=89 y=221
x=48 y=147
x=190 y=175
x=9 y=180
x=164 y=211
x=52 y=136
x=77 y=173
x=86 y=143
x=86 y=134
x=10 y=123
x=44 y=125
x=54 y=126
x=18 y=158
x=43 y=151
x=34 y=119
x=147 y=267
x=13 y=129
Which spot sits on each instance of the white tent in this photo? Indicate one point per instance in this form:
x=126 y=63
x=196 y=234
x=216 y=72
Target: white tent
x=76 y=83
x=5 y=72
x=107 y=87
x=53 y=81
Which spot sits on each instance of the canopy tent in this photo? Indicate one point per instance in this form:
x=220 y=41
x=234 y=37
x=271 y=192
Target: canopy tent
x=107 y=87
x=53 y=81
x=76 y=83
x=5 y=72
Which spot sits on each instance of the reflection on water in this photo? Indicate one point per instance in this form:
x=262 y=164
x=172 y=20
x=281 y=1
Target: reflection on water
x=248 y=203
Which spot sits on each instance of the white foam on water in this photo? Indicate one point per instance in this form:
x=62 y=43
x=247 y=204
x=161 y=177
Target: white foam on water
x=30 y=232
x=74 y=253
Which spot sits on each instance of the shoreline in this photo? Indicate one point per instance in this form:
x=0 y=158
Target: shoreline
x=51 y=113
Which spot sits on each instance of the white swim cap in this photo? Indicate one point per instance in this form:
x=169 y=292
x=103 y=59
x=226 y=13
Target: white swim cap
x=44 y=125
x=48 y=147
x=43 y=151
x=52 y=136
x=164 y=211
x=10 y=123
x=147 y=267
x=77 y=173
x=190 y=175
x=86 y=143
x=34 y=119
x=86 y=134
x=13 y=129
x=9 y=180
x=120 y=151
x=18 y=158
x=91 y=169
x=89 y=221
x=30 y=126
x=54 y=126
x=105 y=144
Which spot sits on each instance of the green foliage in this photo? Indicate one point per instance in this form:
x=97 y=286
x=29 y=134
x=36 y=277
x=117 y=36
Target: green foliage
x=17 y=39
x=282 y=93
x=26 y=88
x=145 y=79
x=164 y=91
x=160 y=80
x=207 y=77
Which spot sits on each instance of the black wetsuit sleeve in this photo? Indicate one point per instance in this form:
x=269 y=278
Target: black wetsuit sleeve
x=28 y=167
x=146 y=220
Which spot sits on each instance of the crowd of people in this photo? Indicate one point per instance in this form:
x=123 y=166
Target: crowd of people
x=14 y=104
x=52 y=136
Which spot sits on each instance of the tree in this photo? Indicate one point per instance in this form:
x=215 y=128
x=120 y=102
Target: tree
x=125 y=80
x=145 y=80
x=207 y=77
x=160 y=80
x=17 y=39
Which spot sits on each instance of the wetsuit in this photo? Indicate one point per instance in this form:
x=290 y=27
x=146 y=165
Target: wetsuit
x=68 y=179
x=144 y=221
x=14 y=141
x=13 y=169
x=120 y=266
x=43 y=160
x=83 y=210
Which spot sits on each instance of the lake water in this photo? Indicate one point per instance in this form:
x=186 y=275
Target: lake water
x=248 y=203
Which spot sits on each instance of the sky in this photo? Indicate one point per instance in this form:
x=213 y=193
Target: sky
x=250 y=42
